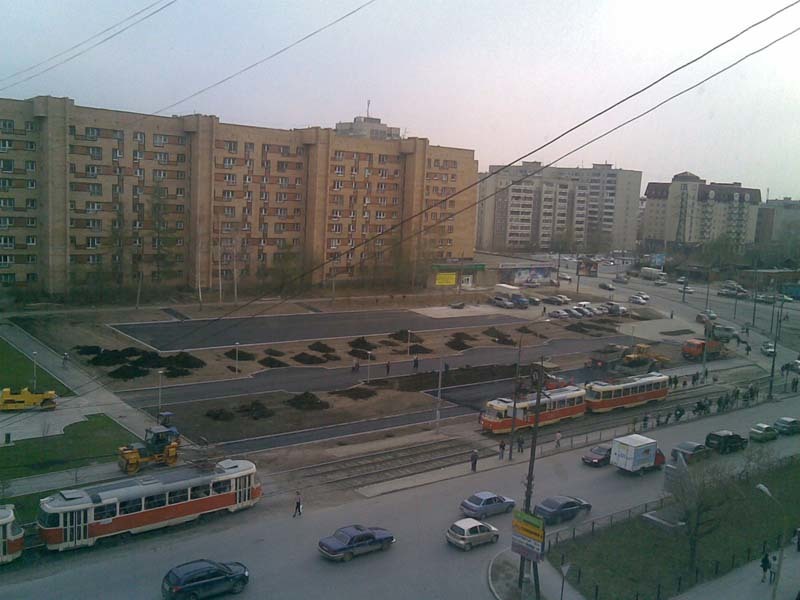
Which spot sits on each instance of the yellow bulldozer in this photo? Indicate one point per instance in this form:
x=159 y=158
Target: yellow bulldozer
x=26 y=399
x=160 y=447
x=641 y=353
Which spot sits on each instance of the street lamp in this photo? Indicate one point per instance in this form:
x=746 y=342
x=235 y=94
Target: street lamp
x=34 y=371
x=765 y=490
x=439 y=394
x=369 y=360
x=775 y=353
x=237 y=359
x=160 y=374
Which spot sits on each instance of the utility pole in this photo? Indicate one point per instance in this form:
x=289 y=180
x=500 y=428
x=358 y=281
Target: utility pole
x=516 y=399
x=774 y=354
x=439 y=394
x=708 y=285
x=755 y=289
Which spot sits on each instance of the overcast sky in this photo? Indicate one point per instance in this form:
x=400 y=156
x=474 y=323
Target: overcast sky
x=499 y=77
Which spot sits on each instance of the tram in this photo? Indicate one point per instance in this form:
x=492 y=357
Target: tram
x=75 y=518
x=603 y=396
x=11 y=535
x=556 y=405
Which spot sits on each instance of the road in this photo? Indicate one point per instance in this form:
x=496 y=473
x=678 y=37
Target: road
x=281 y=551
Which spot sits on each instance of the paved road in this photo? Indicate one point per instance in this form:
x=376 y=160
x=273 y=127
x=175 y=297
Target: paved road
x=224 y=333
x=281 y=551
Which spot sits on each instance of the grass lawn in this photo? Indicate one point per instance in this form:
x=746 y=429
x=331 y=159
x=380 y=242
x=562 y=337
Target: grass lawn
x=93 y=441
x=26 y=507
x=635 y=556
x=16 y=371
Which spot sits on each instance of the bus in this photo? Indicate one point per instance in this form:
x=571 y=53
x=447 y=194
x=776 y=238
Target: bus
x=79 y=517
x=556 y=405
x=12 y=536
x=603 y=396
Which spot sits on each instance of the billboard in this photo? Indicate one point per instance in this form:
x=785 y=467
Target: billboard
x=527 y=536
x=588 y=267
x=521 y=276
x=446 y=279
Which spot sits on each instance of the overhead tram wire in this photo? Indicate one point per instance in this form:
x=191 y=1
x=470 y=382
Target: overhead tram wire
x=79 y=44
x=92 y=47
x=96 y=379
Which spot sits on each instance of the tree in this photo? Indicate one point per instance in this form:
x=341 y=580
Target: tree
x=286 y=273
x=597 y=240
x=563 y=241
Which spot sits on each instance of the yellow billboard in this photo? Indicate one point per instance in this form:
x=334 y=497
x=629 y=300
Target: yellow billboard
x=446 y=278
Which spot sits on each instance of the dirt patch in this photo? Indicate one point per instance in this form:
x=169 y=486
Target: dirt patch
x=355 y=393
x=677 y=332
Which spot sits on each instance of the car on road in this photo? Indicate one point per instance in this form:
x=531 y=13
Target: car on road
x=725 y=292
x=204 y=578
x=691 y=451
x=785 y=298
x=565 y=277
x=597 y=456
x=637 y=300
x=535 y=300
x=705 y=316
x=725 y=441
x=660 y=282
x=793 y=366
x=557 y=314
x=765 y=299
x=467 y=533
x=531 y=284
x=586 y=312
x=768 y=349
x=457 y=305
x=483 y=504
x=501 y=302
x=642 y=295
x=787 y=425
x=552 y=300
x=353 y=540
x=621 y=279
x=604 y=285
x=560 y=508
x=681 y=280
x=761 y=432
x=687 y=290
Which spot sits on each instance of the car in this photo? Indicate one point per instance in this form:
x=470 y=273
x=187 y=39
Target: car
x=725 y=441
x=660 y=282
x=600 y=310
x=573 y=313
x=785 y=298
x=552 y=300
x=565 y=277
x=353 y=540
x=502 y=302
x=727 y=293
x=457 y=305
x=681 y=280
x=617 y=311
x=793 y=366
x=709 y=313
x=564 y=299
x=761 y=432
x=691 y=451
x=604 y=285
x=765 y=299
x=768 y=349
x=535 y=300
x=642 y=295
x=687 y=290
x=467 y=533
x=597 y=456
x=787 y=425
x=560 y=508
x=557 y=314
x=531 y=284
x=621 y=279
x=583 y=310
x=203 y=578
x=637 y=300
x=483 y=504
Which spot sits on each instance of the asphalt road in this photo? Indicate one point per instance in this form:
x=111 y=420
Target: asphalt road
x=224 y=333
x=281 y=552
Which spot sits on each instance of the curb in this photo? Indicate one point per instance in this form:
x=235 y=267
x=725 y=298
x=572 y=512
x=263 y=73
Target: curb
x=489 y=574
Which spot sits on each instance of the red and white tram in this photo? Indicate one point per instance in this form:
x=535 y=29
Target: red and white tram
x=556 y=405
x=11 y=535
x=74 y=518
x=602 y=396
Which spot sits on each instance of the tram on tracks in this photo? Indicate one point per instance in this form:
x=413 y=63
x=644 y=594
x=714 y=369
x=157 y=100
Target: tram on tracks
x=11 y=535
x=603 y=396
x=556 y=405
x=80 y=517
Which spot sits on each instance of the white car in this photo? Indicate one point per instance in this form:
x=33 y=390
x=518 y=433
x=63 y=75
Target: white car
x=637 y=300
x=642 y=295
x=564 y=277
x=557 y=314
x=564 y=299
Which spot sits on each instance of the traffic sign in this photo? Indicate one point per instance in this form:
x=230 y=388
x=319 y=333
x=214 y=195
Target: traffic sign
x=527 y=536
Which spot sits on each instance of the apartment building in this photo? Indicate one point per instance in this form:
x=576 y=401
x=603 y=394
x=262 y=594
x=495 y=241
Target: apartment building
x=88 y=192
x=689 y=211
x=778 y=220
x=528 y=206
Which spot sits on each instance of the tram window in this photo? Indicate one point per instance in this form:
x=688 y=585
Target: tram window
x=570 y=401
x=48 y=519
x=501 y=414
x=155 y=501
x=649 y=387
x=607 y=395
x=15 y=528
x=201 y=491
x=561 y=403
x=106 y=511
x=221 y=487
x=579 y=400
x=178 y=496
x=618 y=393
x=127 y=507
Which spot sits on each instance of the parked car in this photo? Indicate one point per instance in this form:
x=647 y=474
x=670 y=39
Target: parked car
x=552 y=300
x=681 y=280
x=642 y=295
x=604 y=285
x=564 y=299
x=352 y=540
x=535 y=300
x=691 y=451
x=793 y=366
x=531 y=284
x=560 y=508
x=761 y=432
x=687 y=290
x=204 y=578
x=597 y=456
x=573 y=313
x=660 y=282
x=787 y=425
x=502 y=302
x=467 y=533
x=785 y=298
x=637 y=300
x=725 y=441
x=565 y=277
x=617 y=311
x=765 y=299
x=600 y=310
x=621 y=279
x=586 y=312
x=482 y=504
x=457 y=305
x=557 y=314
x=768 y=349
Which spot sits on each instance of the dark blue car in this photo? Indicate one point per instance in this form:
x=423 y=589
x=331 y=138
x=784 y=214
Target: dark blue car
x=350 y=541
x=204 y=578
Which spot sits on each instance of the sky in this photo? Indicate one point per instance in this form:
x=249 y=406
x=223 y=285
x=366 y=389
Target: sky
x=498 y=77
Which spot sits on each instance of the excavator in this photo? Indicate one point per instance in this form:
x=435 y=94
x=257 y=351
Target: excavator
x=25 y=399
x=160 y=447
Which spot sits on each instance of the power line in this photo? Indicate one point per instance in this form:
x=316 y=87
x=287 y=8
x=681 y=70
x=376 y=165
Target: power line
x=92 y=47
x=79 y=44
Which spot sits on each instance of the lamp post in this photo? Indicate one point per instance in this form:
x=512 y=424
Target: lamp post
x=160 y=374
x=369 y=360
x=765 y=490
x=516 y=399
x=774 y=354
x=237 y=358
x=439 y=394
x=34 y=370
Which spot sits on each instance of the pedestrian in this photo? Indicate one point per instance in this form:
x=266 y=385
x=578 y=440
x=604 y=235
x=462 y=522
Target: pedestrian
x=544 y=310
x=747 y=349
x=64 y=359
x=558 y=439
x=773 y=569
x=298 y=505
x=765 y=564
x=747 y=330
x=645 y=421
x=672 y=314
x=473 y=460
x=358 y=366
x=521 y=447
x=502 y=449
x=415 y=363
x=388 y=367
x=795 y=384
x=353 y=368
x=738 y=341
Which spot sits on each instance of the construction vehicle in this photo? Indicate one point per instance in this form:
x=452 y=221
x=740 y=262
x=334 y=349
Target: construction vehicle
x=692 y=349
x=26 y=399
x=160 y=447
x=640 y=354
x=626 y=360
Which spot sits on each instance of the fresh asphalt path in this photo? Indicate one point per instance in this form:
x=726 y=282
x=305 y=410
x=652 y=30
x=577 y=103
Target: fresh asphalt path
x=281 y=552
x=224 y=333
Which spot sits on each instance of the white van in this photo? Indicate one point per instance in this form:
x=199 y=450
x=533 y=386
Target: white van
x=584 y=304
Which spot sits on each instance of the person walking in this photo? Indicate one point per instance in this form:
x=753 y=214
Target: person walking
x=64 y=359
x=415 y=363
x=521 y=447
x=473 y=460
x=765 y=564
x=502 y=449
x=544 y=310
x=747 y=349
x=773 y=569
x=388 y=367
x=558 y=439
x=298 y=505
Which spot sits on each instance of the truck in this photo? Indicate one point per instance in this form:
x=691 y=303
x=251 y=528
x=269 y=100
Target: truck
x=692 y=349
x=636 y=454
x=512 y=293
x=651 y=273
x=25 y=399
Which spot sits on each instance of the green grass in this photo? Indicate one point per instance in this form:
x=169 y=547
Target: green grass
x=93 y=441
x=16 y=371
x=26 y=507
x=634 y=556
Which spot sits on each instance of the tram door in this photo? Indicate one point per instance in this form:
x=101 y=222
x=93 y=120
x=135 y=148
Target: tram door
x=4 y=529
x=243 y=488
x=75 y=527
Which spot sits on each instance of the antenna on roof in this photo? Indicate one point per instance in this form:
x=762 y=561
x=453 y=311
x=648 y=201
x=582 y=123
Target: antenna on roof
x=368 y=101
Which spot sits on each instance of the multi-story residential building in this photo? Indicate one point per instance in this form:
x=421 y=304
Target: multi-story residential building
x=689 y=211
x=368 y=127
x=778 y=220
x=86 y=192
x=528 y=206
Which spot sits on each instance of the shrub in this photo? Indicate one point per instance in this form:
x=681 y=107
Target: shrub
x=418 y=349
x=464 y=337
x=401 y=335
x=320 y=347
x=331 y=357
x=109 y=358
x=494 y=332
x=88 y=350
x=220 y=414
x=307 y=401
x=457 y=344
x=242 y=355
x=127 y=372
x=149 y=360
x=272 y=363
x=525 y=329
x=362 y=354
x=173 y=372
x=505 y=341
x=255 y=410
x=130 y=351
x=361 y=343
x=355 y=393
x=186 y=361
x=273 y=352
x=308 y=359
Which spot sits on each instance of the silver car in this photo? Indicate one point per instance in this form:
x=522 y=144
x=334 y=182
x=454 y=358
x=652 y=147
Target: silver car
x=482 y=504
x=467 y=533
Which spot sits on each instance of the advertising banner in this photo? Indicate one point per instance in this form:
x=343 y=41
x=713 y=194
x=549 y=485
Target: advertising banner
x=446 y=279
x=527 y=536
x=525 y=275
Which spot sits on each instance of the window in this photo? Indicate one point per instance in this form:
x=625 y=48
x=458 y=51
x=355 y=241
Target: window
x=159 y=174
x=230 y=178
x=7 y=165
x=162 y=156
x=92 y=133
x=92 y=242
x=138 y=136
x=181 y=158
x=221 y=487
x=6 y=259
x=229 y=211
x=179 y=192
x=7 y=125
x=248 y=179
x=228 y=162
x=265 y=196
x=95 y=259
x=31 y=277
x=30 y=203
x=6 y=203
x=30 y=240
x=30 y=222
x=127 y=507
x=116 y=154
x=159 y=140
x=96 y=153
x=182 y=140
x=7 y=241
x=228 y=194
x=232 y=147
x=155 y=501
x=107 y=511
x=6 y=145
x=138 y=155
x=178 y=496
x=30 y=145
x=200 y=491
x=95 y=189
x=91 y=170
